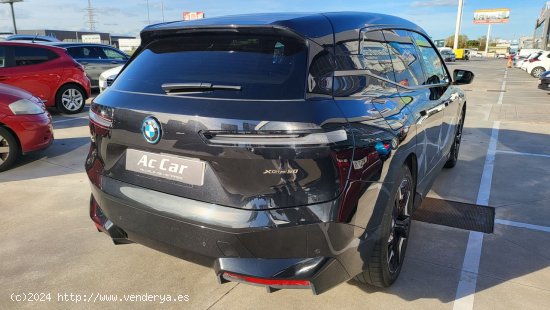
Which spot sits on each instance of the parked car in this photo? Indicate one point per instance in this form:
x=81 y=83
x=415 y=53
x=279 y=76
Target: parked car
x=448 y=55
x=526 y=62
x=545 y=81
x=108 y=77
x=47 y=72
x=25 y=125
x=253 y=147
x=96 y=58
x=31 y=38
x=526 y=52
x=539 y=64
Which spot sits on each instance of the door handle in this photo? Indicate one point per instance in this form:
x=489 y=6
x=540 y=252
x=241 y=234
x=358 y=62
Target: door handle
x=84 y=63
x=434 y=110
x=114 y=62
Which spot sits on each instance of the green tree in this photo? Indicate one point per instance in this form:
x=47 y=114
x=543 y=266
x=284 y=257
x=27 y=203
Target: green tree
x=482 y=41
x=462 y=41
x=472 y=44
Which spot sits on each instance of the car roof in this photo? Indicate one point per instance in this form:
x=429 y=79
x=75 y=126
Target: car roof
x=73 y=44
x=16 y=37
x=30 y=44
x=309 y=25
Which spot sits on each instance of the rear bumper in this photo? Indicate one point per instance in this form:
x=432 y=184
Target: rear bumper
x=34 y=132
x=294 y=243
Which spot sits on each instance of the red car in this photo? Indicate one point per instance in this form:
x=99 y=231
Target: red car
x=47 y=72
x=25 y=124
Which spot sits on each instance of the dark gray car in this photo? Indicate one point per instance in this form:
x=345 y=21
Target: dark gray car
x=288 y=149
x=96 y=58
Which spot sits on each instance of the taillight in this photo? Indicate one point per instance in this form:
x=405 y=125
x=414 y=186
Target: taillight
x=270 y=282
x=101 y=115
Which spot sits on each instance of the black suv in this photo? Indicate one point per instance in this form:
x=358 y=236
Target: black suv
x=291 y=149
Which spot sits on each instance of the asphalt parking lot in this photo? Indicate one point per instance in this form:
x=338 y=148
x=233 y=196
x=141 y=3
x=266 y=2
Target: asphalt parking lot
x=48 y=244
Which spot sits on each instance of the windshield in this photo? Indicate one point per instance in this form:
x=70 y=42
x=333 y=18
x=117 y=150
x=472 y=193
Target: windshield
x=261 y=66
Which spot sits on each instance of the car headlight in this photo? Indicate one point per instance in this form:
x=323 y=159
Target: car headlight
x=26 y=106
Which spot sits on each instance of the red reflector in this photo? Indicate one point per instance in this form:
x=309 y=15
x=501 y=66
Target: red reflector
x=275 y=282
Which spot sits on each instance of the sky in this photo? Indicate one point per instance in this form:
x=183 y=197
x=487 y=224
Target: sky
x=128 y=17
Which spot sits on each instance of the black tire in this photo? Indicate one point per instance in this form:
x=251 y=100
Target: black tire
x=70 y=99
x=455 y=148
x=385 y=265
x=7 y=140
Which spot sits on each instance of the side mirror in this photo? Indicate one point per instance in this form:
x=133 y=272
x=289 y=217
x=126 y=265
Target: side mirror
x=461 y=77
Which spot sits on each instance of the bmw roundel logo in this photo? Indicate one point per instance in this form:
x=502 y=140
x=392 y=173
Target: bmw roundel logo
x=151 y=130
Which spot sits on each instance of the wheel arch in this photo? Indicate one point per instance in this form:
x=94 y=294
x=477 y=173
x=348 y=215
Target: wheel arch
x=72 y=83
x=14 y=134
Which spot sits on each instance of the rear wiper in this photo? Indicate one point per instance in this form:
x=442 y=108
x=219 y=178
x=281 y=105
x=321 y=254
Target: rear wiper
x=182 y=88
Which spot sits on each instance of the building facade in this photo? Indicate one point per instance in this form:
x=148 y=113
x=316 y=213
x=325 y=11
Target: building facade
x=541 y=37
x=68 y=36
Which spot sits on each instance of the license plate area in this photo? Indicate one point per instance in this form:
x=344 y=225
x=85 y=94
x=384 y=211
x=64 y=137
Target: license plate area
x=179 y=169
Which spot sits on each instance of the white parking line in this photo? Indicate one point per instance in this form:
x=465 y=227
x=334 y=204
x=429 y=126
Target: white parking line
x=465 y=292
x=68 y=120
x=523 y=225
x=503 y=87
x=524 y=154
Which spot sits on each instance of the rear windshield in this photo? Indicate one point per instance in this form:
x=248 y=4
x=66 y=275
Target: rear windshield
x=264 y=66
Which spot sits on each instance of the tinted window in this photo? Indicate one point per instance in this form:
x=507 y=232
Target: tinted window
x=90 y=52
x=265 y=66
x=25 y=55
x=2 y=57
x=375 y=55
x=112 y=54
x=364 y=67
x=435 y=71
x=405 y=58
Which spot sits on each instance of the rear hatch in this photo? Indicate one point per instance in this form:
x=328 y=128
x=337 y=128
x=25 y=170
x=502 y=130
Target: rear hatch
x=221 y=117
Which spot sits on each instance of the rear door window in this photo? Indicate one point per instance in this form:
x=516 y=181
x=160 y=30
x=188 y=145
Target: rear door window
x=26 y=55
x=433 y=65
x=375 y=55
x=86 y=52
x=405 y=59
x=264 y=66
x=113 y=54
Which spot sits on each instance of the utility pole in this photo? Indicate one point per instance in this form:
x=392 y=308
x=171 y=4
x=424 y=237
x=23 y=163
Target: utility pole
x=91 y=16
x=458 y=23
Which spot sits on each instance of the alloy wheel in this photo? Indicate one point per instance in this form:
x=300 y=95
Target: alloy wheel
x=72 y=99
x=537 y=72
x=458 y=136
x=4 y=149
x=400 y=225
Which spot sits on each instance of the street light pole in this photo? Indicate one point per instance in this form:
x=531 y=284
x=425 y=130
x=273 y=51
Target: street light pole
x=13 y=19
x=487 y=40
x=162 y=8
x=11 y=2
x=458 y=23
x=148 y=16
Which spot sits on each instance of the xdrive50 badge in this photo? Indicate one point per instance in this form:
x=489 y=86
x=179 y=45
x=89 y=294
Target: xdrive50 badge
x=151 y=130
